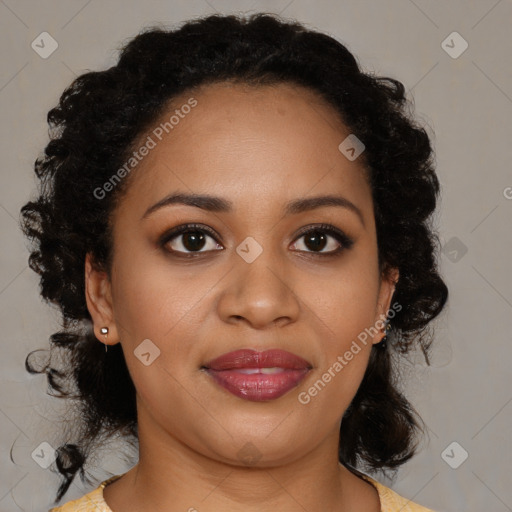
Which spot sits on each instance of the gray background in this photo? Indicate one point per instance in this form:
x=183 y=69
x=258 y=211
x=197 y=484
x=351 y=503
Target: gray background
x=466 y=102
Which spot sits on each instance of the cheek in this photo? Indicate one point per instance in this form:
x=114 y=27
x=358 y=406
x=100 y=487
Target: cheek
x=151 y=297
x=343 y=304
x=160 y=307
x=342 y=311
x=167 y=306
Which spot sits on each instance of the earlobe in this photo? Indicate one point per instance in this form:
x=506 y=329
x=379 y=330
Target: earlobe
x=98 y=296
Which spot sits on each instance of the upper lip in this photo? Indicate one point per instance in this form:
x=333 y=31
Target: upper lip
x=248 y=358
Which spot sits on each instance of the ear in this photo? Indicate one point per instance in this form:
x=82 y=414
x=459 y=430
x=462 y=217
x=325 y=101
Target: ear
x=388 y=282
x=99 y=302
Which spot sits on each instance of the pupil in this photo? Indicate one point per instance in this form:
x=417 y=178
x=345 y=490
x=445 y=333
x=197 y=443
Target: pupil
x=193 y=240
x=318 y=240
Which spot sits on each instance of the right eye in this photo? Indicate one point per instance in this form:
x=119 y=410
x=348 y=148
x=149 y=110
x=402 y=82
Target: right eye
x=193 y=239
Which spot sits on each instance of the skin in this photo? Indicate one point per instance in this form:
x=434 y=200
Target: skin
x=258 y=147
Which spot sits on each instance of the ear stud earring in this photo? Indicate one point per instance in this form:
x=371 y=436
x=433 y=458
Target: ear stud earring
x=104 y=331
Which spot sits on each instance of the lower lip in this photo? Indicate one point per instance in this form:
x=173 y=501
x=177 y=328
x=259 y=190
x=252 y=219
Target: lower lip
x=258 y=387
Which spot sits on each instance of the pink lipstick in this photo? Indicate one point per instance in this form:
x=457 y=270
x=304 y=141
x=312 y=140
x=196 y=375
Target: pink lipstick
x=258 y=376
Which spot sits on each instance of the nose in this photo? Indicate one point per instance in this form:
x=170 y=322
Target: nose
x=259 y=293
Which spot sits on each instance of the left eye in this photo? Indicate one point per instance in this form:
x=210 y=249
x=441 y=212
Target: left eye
x=316 y=239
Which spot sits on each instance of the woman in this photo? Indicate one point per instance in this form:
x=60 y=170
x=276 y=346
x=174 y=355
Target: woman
x=233 y=220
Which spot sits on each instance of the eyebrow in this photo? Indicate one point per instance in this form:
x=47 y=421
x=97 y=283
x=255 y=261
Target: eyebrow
x=220 y=205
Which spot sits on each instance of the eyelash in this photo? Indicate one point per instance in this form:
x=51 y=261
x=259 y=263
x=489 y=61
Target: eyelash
x=345 y=241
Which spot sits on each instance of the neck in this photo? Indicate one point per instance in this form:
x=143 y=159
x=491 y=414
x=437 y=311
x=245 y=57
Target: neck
x=172 y=476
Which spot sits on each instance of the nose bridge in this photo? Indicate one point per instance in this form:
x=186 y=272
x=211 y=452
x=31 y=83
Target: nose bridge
x=259 y=290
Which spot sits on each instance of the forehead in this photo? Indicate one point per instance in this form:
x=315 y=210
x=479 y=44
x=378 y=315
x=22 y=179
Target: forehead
x=252 y=142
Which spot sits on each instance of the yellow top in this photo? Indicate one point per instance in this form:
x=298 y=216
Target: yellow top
x=93 y=502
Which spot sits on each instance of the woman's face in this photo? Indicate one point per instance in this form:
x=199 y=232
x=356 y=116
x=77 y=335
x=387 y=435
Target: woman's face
x=245 y=277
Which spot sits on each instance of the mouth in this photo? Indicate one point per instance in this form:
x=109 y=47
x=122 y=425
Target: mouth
x=258 y=376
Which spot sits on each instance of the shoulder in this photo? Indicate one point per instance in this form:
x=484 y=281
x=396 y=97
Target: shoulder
x=91 y=502
x=392 y=501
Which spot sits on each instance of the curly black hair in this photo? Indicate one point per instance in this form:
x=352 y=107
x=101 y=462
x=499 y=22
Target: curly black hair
x=95 y=128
